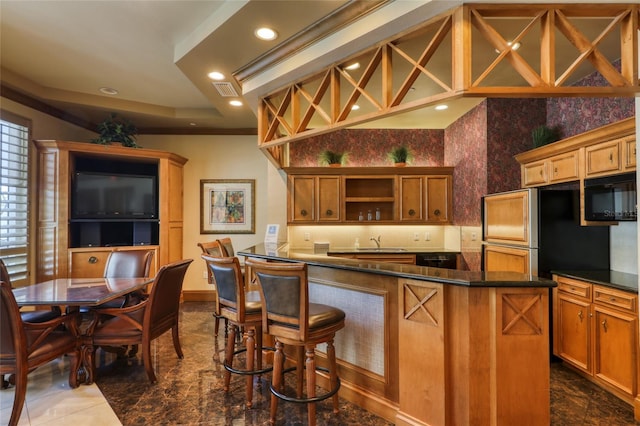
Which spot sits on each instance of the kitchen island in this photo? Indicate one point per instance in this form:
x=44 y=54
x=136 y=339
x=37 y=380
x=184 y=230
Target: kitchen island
x=431 y=346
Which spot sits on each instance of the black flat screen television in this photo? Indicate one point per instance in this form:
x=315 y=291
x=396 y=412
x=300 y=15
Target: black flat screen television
x=114 y=196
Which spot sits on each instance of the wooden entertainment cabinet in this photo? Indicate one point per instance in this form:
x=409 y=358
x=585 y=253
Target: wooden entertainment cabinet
x=63 y=246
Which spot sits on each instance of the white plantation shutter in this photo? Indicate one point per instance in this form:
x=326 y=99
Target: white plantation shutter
x=14 y=217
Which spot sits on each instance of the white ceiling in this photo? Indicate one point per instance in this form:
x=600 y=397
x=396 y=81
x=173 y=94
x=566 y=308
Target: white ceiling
x=157 y=53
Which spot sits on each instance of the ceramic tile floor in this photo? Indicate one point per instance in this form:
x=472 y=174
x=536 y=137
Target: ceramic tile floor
x=189 y=392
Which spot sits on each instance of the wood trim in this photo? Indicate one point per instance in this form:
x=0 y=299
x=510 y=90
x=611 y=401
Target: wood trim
x=199 y=296
x=368 y=170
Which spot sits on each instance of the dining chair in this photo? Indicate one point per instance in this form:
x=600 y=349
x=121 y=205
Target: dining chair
x=293 y=320
x=243 y=310
x=24 y=346
x=30 y=316
x=215 y=249
x=127 y=264
x=227 y=245
x=142 y=323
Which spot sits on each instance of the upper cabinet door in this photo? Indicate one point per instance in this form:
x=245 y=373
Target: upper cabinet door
x=603 y=158
x=328 y=198
x=411 y=198
x=301 y=198
x=439 y=198
x=511 y=218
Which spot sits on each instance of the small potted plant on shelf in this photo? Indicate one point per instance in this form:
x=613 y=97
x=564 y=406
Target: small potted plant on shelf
x=543 y=135
x=400 y=156
x=117 y=129
x=332 y=158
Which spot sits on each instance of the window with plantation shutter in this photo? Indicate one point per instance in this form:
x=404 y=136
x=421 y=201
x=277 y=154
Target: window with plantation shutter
x=14 y=213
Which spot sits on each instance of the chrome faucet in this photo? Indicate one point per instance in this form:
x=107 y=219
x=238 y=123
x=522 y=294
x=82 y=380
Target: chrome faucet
x=377 y=241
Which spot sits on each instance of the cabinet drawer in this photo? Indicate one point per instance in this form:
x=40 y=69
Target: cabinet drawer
x=564 y=167
x=603 y=158
x=574 y=287
x=615 y=298
x=534 y=174
x=88 y=264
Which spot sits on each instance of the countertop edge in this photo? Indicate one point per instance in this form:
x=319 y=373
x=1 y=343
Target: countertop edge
x=414 y=272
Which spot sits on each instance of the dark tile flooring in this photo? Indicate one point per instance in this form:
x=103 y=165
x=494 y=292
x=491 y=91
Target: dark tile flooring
x=189 y=391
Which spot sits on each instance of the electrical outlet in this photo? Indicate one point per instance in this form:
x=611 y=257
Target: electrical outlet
x=204 y=275
x=307 y=236
x=474 y=236
x=427 y=236
x=416 y=236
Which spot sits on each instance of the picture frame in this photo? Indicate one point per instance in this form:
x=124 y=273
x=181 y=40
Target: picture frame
x=227 y=206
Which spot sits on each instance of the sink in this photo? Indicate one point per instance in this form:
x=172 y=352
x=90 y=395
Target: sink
x=382 y=249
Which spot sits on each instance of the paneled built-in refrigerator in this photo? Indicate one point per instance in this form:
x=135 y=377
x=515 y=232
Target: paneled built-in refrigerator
x=536 y=231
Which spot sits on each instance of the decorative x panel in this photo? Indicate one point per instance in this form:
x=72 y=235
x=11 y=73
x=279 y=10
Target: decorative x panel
x=522 y=314
x=421 y=304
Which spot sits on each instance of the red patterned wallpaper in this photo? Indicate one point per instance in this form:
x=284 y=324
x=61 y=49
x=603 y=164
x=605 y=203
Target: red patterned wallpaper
x=369 y=147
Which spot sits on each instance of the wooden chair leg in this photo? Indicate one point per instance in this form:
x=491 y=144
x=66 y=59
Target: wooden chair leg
x=176 y=341
x=217 y=325
x=18 y=401
x=146 y=360
x=276 y=379
x=310 y=365
x=299 y=370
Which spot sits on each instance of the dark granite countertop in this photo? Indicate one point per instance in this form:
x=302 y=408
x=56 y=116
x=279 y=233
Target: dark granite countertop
x=613 y=279
x=388 y=250
x=423 y=273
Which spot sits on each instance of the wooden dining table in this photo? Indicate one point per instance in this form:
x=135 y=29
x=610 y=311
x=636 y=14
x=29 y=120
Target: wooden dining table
x=73 y=293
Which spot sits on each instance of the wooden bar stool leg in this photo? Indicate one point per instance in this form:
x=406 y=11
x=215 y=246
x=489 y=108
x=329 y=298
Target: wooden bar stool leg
x=299 y=370
x=333 y=374
x=250 y=345
x=310 y=366
x=228 y=356
x=276 y=380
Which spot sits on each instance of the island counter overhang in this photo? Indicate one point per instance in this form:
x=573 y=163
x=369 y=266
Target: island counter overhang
x=430 y=346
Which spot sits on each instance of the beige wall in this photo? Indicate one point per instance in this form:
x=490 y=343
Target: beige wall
x=222 y=157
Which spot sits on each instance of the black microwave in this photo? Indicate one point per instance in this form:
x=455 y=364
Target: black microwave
x=611 y=198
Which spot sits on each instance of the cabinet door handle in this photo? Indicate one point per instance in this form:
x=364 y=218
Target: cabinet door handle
x=555 y=170
x=303 y=212
x=611 y=157
x=93 y=260
x=436 y=212
x=412 y=212
x=329 y=212
x=612 y=299
x=580 y=315
x=604 y=325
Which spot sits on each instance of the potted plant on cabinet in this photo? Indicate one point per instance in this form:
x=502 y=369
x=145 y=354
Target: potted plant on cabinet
x=332 y=158
x=543 y=135
x=117 y=129
x=400 y=156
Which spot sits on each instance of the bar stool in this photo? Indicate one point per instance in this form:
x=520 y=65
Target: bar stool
x=292 y=320
x=243 y=310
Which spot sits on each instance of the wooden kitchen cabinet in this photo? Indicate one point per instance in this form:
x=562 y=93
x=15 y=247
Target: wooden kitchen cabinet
x=603 y=151
x=439 y=199
x=596 y=331
x=603 y=158
x=391 y=195
x=314 y=199
x=556 y=169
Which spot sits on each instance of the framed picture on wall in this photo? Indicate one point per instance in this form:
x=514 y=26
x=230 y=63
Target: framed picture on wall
x=227 y=206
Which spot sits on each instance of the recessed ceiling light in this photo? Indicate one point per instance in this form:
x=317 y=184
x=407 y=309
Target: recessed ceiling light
x=235 y=103
x=215 y=75
x=355 y=107
x=192 y=124
x=266 y=34
x=108 y=91
x=441 y=107
x=353 y=66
